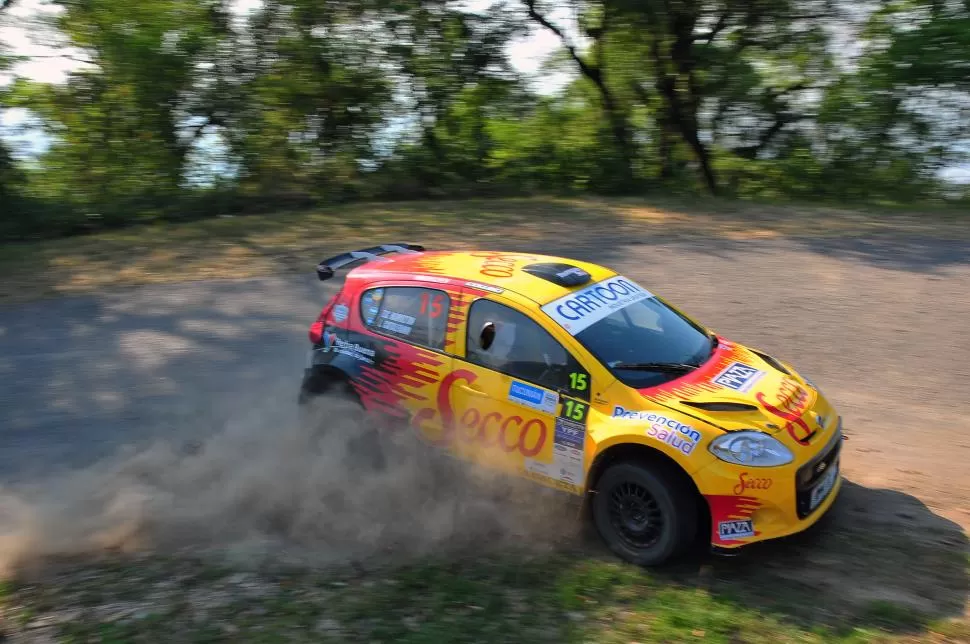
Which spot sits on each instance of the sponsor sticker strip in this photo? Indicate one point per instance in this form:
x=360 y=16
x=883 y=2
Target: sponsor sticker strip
x=351 y=349
x=738 y=376
x=534 y=397
x=396 y=322
x=580 y=310
x=567 y=454
x=670 y=431
x=739 y=529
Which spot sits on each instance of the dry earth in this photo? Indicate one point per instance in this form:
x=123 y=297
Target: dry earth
x=880 y=323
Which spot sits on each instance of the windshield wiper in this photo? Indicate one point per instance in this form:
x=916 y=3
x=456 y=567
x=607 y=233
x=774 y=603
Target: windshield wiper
x=671 y=367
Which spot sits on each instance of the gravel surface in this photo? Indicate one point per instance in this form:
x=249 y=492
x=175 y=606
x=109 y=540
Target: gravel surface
x=880 y=325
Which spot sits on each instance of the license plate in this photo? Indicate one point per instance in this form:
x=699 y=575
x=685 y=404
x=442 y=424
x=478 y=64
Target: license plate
x=824 y=486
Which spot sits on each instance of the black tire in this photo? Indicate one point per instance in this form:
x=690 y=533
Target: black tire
x=644 y=512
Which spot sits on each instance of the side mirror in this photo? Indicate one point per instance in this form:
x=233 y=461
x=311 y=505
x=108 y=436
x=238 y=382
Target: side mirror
x=487 y=336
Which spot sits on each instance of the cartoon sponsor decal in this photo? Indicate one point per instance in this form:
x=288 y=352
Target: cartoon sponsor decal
x=748 y=482
x=567 y=454
x=532 y=396
x=333 y=343
x=394 y=322
x=790 y=405
x=340 y=312
x=738 y=376
x=730 y=510
x=678 y=435
x=485 y=287
x=581 y=309
x=491 y=430
x=739 y=529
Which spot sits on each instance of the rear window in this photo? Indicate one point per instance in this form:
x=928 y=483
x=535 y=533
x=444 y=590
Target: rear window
x=416 y=314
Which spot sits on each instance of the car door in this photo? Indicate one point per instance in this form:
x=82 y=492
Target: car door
x=519 y=398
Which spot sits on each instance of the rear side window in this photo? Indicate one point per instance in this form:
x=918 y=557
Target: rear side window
x=418 y=315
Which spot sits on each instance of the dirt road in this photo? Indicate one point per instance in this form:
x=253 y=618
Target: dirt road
x=881 y=326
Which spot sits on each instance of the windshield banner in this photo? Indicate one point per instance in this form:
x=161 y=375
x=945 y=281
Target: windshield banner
x=580 y=310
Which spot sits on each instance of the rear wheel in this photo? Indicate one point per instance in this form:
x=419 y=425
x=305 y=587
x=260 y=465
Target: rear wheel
x=335 y=404
x=644 y=512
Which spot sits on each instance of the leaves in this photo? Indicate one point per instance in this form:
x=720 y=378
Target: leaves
x=188 y=108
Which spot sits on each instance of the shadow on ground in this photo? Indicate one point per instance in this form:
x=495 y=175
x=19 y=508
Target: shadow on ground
x=880 y=559
x=879 y=562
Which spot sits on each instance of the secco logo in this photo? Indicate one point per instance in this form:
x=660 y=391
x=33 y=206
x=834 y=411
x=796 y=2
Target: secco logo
x=496 y=265
x=580 y=310
x=667 y=430
x=527 y=436
x=791 y=403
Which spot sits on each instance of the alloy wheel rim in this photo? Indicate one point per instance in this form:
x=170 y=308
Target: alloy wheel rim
x=635 y=515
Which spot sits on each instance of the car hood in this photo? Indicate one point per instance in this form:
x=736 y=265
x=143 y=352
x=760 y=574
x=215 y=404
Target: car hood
x=739 y=388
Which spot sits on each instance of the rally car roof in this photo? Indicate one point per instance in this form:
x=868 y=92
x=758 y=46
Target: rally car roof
x=541 y=278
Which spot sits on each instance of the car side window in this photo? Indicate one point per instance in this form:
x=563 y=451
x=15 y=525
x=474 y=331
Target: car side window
x=415 y=314
x=516 y=345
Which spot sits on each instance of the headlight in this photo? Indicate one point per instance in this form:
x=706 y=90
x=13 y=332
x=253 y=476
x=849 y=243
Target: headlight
x=751 y=448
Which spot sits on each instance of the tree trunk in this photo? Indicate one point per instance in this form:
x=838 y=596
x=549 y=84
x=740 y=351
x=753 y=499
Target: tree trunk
x=594 y=73
x=683 y=114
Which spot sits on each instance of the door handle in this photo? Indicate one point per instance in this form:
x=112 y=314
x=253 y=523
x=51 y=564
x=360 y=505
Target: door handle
x=473 y=391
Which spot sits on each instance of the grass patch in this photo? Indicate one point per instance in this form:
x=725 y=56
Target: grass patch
x=253 y=245
x=561 y=597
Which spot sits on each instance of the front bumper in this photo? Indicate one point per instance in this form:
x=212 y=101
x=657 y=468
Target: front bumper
x=756 y=504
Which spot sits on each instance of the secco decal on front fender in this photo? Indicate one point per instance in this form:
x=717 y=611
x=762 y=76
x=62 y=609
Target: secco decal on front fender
x=578 y=311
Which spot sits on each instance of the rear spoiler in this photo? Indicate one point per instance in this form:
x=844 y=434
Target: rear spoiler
x=326 y=268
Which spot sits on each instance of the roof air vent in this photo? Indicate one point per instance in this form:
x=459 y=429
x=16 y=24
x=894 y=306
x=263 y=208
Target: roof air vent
x=561 y=274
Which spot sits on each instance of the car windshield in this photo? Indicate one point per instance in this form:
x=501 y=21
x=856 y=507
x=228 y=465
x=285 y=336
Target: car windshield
x=647 y=343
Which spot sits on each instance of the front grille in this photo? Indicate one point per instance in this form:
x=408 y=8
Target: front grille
x=810 y=473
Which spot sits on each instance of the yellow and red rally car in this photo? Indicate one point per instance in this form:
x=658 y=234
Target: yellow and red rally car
x=580 y=379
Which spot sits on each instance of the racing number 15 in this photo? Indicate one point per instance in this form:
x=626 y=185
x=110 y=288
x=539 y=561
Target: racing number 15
x=435 y=308
x=574 y=410
x=578 y=381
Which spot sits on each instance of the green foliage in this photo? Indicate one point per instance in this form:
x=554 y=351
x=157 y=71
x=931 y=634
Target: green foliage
x=308 y=101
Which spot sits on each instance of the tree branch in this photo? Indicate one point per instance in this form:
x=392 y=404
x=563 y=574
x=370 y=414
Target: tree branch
x=62 y=56
x=587 y=69
x=774 y=95
x=712 y=34
x=781 y=120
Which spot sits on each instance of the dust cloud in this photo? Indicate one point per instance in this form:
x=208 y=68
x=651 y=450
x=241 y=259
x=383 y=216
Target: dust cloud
x=260 y=489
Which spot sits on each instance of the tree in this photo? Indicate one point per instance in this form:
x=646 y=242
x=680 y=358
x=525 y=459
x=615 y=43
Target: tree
x=597 y=24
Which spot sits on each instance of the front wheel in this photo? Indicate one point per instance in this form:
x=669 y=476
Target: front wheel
x=644 y=513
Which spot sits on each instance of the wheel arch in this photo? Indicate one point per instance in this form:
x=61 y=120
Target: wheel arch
x=320 y=379
x=645 y=454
